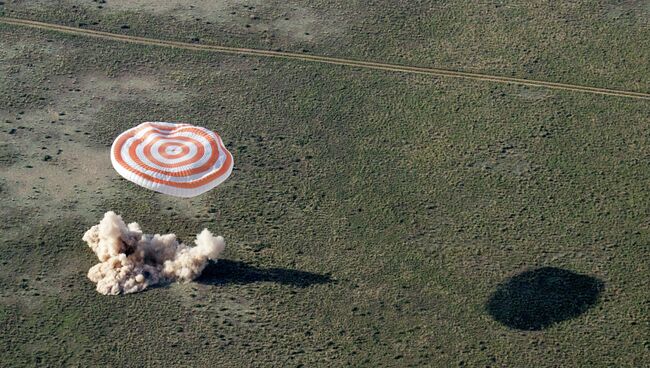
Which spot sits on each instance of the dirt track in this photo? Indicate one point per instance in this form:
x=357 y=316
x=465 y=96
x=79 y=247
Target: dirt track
x=324 y=59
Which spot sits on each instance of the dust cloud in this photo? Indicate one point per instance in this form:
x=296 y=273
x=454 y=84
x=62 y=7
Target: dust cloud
x=131 y=261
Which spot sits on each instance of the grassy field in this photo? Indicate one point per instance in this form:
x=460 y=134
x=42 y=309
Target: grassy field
x=373 y=218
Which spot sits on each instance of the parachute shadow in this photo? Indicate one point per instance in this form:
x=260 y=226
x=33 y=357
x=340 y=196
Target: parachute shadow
x=225 y=272
x=536 y=299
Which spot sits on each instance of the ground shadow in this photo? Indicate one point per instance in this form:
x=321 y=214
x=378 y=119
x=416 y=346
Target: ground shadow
x=225 y=272
x=536 y=299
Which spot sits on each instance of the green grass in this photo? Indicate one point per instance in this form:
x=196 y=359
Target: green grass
x=417 y=196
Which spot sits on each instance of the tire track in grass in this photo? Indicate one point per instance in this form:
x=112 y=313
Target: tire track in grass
x=436 y=72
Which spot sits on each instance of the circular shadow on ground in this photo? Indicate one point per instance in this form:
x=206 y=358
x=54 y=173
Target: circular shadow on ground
x=536 y=299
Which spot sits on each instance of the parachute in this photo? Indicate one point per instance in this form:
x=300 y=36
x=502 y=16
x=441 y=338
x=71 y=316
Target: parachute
x=177 y=159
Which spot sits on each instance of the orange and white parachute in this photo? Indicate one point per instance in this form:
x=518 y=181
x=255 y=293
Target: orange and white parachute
x=176 y=159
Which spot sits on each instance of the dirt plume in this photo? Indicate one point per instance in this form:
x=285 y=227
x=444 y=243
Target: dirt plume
x=131 y=261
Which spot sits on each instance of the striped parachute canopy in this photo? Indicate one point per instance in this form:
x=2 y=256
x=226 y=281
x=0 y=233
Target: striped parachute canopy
x=176 y=159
